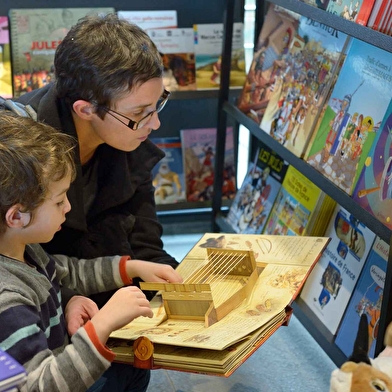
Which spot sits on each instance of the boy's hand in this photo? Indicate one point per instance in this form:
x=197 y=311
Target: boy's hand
x=152 y=272
x=78 y=311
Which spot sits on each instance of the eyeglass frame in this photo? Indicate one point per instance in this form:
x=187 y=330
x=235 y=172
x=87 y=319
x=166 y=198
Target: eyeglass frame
x=134 y=125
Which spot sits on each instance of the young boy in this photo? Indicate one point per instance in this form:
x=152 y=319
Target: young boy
x=36 y=169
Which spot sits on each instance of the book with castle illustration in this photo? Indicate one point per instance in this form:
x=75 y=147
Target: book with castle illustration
x=237 y=291
x=35 y=35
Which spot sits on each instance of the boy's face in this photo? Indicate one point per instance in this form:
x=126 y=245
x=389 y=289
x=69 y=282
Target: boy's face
x=49 y=216
x=135 y=105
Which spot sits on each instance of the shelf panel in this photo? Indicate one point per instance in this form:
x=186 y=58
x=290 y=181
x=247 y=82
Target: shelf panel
x=363 y=33
x=310 y=172
x=186 y=207
x=202 y=94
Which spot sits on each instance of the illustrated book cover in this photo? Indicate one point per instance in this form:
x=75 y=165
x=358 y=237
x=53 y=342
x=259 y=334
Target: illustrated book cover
x=328 y=288
x=5 y=59
x=347 y=9
x=281 y=264
x=12 y=373
x=35 y=35
x=366 y=298
x=274 y=40
x=306 y=73
x=168 y=174
x=150 y=19
x=178 y=55
x=353 y=115
x=253 y=202
x=373 y=191
x=208 y=43
x=300 y=208
x=198 y=154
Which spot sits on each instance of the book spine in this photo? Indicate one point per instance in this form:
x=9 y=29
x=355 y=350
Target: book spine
x=380 y=15
x=365 y=11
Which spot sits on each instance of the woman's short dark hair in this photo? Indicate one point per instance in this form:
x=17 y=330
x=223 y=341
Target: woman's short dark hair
x=103 y=57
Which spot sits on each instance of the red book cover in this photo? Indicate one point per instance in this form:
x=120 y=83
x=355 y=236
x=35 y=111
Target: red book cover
x=364 y=12
x=374 y=13
x=380 y=15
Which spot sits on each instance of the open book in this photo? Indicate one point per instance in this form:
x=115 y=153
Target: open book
x=282 y=264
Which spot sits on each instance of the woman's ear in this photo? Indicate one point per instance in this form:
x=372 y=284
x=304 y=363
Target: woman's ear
x=83 y=109
x=16 y=219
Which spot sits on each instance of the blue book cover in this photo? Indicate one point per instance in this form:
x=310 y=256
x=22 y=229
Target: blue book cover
x=12 y=373
x=366 y=298
x=353 y=115
x=168 y=174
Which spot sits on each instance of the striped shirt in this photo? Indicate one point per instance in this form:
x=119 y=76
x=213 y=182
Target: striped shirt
x=32 y=324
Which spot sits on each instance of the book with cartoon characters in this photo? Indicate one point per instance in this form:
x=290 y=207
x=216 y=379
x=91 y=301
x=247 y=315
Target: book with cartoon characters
x=331 y=283
x=366 y=299
x=353 y=115
x=253 y=202
x=35 y=35
x=306 y=72
x=168 y=174
x=347 y=9
x=373 y=191
x=277 y=33
x=300 y=208
x=198 y=154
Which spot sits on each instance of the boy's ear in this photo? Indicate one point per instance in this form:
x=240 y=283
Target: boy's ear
x=14 y=218
x=83 y=109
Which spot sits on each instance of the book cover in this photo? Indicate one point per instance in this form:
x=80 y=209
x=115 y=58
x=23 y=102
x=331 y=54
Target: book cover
x=307 y=71
x=347 y=9
x=364 y=12
x=152 y=19
x=178 y=55
x=366 y=298
x=331 y=283
x=5 y=59
x=273 y=42
x=378 y=5
x=208 y=42
x=198 y=153
x=353 y=115
x=297 y=204
x=373 y=191
x=12 y=373
x=168 y=174
x=253 y=202
x=188 y=344
x=35 y=35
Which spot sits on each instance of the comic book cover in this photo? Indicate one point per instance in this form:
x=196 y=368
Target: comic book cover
x=198 y=153
x=366 y=298
x=306 y=73
x=300 y=208
x=275 y=37
x=208 y=41
x=168 y=174
x=353 y=115
x=35 y=35
x=347 y=9
x=373 y=191
x=178 y=55
x=331 y=283
x=253 y=202
x=5 y=59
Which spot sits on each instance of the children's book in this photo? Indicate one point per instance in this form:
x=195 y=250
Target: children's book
x=366 y=298
x=353 y=115
x=306 y=73
x=347 y=9
x=331 y=283
x=373 y=191
x=364 y=12
x=300 y=208
x=168 y=174
x=208 y=42
x=181 y=339
x=35 y=35
x=253 y=202
x=12 y=373
x=153 y=19
x=198 y=153
x=265 y=72
x=178 y=55
x=5 y=59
